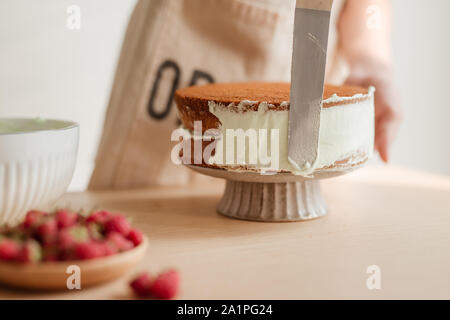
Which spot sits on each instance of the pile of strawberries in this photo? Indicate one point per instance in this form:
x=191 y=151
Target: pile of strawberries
x=65 y=236
x=164 y=286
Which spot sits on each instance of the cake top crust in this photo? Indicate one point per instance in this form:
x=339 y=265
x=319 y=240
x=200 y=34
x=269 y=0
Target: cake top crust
x=276 y=94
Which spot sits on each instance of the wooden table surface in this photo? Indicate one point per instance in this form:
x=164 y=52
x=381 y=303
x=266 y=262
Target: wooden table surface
x=394 y=218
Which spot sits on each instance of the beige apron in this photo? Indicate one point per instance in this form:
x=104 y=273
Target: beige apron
x=172 y=44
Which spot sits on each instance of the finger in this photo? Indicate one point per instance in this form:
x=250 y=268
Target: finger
x=385 y=134
x=382 y=144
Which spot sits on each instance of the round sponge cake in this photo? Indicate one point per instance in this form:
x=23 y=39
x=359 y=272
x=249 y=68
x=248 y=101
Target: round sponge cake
x=347 y=119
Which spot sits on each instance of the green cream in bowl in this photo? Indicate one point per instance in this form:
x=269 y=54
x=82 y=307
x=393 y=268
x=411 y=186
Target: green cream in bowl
x=9 y=126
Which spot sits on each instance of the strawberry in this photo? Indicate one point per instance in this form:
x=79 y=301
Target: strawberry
x=165 y=285
x=32 y=218
x=95 y=230
x=66 y=219
x=99 y=217
x=89 y=250
x=119 y=224
x=9 y=250
x=30 y=252
x=67 y=238
x=107 y=249
x=135 y=236
x=79 y=233
x=47 y=231
x=141 y=285
x=119 y=242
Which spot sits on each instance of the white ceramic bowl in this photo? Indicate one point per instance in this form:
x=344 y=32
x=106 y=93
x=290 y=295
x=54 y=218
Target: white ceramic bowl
x=37 y=160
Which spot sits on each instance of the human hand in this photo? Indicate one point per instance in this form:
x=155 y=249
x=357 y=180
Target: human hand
x=388 y=110
x=365 y=43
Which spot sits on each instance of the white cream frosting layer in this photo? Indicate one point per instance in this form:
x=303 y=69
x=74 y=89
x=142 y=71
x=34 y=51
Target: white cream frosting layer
x=346 y=131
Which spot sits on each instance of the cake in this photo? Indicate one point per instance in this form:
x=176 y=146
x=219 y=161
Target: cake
x=346 y=137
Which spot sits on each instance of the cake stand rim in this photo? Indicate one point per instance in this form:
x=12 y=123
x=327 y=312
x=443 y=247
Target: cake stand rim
x=245 y=176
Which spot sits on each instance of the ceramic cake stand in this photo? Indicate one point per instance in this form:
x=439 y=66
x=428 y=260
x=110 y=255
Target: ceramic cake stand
x=271 y=198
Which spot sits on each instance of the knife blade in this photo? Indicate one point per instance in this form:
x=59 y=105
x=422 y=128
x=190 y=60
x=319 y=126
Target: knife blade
x=312 y=24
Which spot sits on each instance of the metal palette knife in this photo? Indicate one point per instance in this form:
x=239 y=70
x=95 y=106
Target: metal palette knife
x=312 y=24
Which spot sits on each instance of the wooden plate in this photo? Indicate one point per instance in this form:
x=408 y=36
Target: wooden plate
x=55 y=275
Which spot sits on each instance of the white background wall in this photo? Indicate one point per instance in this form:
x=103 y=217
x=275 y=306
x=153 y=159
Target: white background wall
x=50 y=71
x=421 y=43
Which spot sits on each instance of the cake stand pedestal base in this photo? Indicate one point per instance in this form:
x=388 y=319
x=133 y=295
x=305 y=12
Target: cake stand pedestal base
x=272 y=202
x=271 y=198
